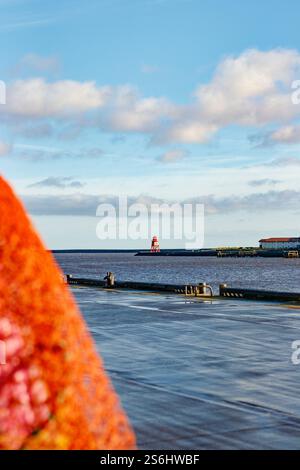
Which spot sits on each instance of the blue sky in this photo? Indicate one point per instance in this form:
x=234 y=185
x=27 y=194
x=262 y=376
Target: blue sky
x=170 y=100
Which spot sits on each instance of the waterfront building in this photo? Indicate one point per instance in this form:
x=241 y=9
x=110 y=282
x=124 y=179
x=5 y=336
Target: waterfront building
x=280 y=243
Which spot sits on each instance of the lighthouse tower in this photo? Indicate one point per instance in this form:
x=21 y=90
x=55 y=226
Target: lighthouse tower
x=155 y=245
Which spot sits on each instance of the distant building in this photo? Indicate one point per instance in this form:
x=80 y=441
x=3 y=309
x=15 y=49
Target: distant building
x=280 y=243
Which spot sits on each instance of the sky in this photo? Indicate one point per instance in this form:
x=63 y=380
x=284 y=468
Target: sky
x=169 y=101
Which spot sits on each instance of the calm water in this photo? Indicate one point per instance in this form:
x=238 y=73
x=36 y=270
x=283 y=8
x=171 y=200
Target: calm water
x=199 y=375
x=264 y=273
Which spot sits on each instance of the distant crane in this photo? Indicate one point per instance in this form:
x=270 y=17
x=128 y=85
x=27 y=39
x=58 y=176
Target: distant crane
x=155 y=248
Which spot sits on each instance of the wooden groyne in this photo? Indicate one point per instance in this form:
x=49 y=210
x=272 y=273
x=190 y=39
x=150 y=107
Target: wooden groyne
x=193 y=290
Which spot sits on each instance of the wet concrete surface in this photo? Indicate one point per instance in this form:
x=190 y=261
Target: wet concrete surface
x=200 y=375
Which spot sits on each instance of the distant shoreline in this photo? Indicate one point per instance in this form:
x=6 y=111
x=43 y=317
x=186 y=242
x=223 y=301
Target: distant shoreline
x=116 y=250
x=112 y=250
x=218 y=252
x=93 y=251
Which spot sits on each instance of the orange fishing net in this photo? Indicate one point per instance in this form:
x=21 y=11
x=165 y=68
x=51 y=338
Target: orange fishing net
x=54 y=393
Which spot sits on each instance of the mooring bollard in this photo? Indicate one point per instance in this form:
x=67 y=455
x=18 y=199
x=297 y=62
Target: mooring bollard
x=200 y=290
x=222 y=287
x=189 y=290
x=110 y=280
x=204 y=288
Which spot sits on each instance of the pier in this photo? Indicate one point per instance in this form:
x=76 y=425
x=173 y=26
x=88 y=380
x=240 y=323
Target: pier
x=191 y=290
x=188 y=289
x=258 y=294
x=226 y=252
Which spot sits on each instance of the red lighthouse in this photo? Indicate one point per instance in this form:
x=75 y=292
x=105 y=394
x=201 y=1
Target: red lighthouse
x=155 y=245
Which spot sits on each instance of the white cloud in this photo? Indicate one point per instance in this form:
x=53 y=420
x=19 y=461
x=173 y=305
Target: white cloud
x=86 y=204
x=254 y=73
x=188 y=132
x=38 y=152
x=57 y=182
x=252 y=89
x=264 y=182
x=128 y=112
x=286 y=135
x=36 y=98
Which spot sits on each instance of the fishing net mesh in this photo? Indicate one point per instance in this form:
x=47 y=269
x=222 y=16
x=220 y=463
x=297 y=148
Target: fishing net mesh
x=54 y=392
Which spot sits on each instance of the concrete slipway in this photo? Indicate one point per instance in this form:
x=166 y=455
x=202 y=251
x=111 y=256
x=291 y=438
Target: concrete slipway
x=196 y=374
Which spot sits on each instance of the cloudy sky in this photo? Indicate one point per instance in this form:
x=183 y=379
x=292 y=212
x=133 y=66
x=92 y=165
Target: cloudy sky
x=169 y=100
